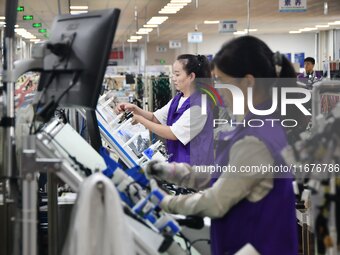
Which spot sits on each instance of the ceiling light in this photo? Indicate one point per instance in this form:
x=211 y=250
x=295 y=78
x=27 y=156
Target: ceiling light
x=157 y=20
x=172 y=8
x=239 y=33
x=150 y=25
x=307 y=29
x=2 y=17
x=295 y=32
x=136 y=37
x=143 y=31
x=176 y=4
x=79 y=7
x=16 y=25
x=180 y=1
x=77 y=12
x=2 y=22
x=35 y=40
x=17 y=30
x=251 y=30
x=131 y=40
x=334 y=23
x=321 y=26
x=167 y=12
x=211 y=21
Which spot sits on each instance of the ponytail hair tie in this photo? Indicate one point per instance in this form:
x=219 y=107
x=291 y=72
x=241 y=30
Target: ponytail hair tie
x=200 y=59
x=277 y=58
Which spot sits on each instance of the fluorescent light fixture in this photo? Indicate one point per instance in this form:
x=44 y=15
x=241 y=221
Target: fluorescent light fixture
x=144 y=31
x=307 y=29
x=79 y=7
x=321 y=26
x=240 y=33
x=157 y=20
x=131 y=40
x=172 y=8
x=136 y=37
x=181 y=1
x=2 y=23
x=167 y=12
x=211 y=21
x=18 y=30
x=334 y=23
x=176 y=4
x=16 y=25
x=295 y=32
x=77 y=12
x=35 y=40
x=251 y=30
x=2 y=17
x=150 y=25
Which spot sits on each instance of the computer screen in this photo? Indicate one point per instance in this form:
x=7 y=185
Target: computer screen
x=129 y=78
x=80 y=47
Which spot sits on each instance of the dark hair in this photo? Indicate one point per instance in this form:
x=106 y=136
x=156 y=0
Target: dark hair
x=199 y=65
x=310 y=59
x=249 y=55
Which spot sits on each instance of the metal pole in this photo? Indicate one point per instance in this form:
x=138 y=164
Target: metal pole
x=8 y=172
x=30 y=215
x=52 y=214
x=248 y=16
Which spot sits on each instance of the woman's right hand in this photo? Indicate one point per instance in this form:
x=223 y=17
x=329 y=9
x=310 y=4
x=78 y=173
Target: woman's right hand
x=122 y=107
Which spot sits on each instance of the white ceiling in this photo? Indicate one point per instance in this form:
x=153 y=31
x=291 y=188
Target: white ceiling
x=264 y=15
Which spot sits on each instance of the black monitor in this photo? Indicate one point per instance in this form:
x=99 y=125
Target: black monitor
x=74 y=70
x=129 y=78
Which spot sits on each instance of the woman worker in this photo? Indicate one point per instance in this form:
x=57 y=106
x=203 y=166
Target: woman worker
x=188 y=132
x=246 y=208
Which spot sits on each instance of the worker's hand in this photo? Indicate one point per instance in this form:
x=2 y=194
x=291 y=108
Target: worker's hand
x=122 y=107
x=137 y=118
x=158 y=169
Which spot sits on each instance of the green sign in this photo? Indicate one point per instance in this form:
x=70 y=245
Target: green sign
x=20 y=9
x=46 y=36
x=162 y=61
x=28 y=17
x=36 y=25
x=43 y=30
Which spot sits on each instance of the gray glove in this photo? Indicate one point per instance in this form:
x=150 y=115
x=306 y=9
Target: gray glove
x=160 y=170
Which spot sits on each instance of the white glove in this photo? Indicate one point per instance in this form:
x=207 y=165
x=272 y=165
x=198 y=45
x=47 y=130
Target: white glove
x=158 y=169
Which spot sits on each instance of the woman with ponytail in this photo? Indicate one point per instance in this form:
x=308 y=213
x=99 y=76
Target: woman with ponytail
x=188 y=132
x=249 y=203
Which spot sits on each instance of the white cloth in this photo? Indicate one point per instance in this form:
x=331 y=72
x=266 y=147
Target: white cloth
x=228 y=190
x=185 y=128
x=98 y=224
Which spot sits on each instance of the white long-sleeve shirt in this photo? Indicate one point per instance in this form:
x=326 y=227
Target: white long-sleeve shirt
x=216 y=200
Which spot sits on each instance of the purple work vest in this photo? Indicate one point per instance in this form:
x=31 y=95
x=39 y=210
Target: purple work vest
x=200 y=150
x=270 y=224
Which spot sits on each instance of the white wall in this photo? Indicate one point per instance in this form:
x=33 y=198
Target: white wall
x=285 y=43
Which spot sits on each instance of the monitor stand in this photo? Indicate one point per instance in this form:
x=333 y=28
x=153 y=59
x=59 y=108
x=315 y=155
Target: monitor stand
x=93 y=129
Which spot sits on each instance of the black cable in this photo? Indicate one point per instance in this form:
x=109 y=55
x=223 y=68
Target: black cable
x=199 y=240
x=39 y=101
x=187 y=242
x=127 y=189
x=71 y=85
x=50 y=108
